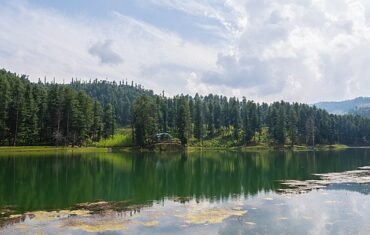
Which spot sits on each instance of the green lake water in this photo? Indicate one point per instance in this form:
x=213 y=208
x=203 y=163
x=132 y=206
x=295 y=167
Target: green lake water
x=212 y=192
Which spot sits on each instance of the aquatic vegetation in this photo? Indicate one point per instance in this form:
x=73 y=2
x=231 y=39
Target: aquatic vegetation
x=51 y=215
x=103 y=207
x=5 y=212
x=82 y=210
x=210 y=215
x=250 y=223
x=42 y=216
x=150 y=223
x=95 y=226
x=359 y=176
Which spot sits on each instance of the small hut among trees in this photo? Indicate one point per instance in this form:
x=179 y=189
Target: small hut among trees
x=162 y=138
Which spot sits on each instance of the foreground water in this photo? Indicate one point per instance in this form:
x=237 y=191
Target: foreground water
x=216 y=192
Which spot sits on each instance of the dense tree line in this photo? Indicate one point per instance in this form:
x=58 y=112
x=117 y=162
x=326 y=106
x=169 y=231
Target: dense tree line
x=245 y=122
x=49 y=114
x=82 y=112
x=120 y=95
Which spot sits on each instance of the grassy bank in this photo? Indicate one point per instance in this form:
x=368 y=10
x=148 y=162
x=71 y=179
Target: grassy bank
x=256 y=148
x=50 y=149
x=123 y=138
x=122 y=142
x=262 y=147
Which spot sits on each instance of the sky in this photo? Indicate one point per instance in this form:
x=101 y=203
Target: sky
x=265 y=50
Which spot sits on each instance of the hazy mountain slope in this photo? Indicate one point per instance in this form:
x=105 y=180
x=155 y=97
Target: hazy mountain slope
x=346 y=106
x=363 y=111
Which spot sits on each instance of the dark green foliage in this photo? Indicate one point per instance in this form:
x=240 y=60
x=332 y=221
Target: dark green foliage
x=97 y=122
x=45 y=114
x=292 y=128
x=145 y=120
x=183 y=122
x=120 y=95
x=250 y=120
x=198 y=118
x=310 y=130
x=16 y=111
x=31 y=128
x=109 y=121
x=234 y=116
x=4 y=104
x=51 y=114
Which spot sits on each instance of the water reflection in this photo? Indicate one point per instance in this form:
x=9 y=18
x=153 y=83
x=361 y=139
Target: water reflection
x=352 y=187
x=59 y=181
x=182 y=193
x=317 y=212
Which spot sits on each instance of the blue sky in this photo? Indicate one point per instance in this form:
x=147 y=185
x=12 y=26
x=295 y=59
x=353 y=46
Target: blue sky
x=268 y=50
x=163 y=17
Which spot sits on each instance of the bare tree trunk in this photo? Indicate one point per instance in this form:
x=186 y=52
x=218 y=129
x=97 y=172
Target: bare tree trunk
x=16 y=128
x=16 y=124
x=67 y=134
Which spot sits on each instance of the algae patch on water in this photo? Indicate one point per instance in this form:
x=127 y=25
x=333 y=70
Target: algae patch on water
x=83 y=210
x=150 y=223
x=96 y=226
x=359 y=176
x=210 y=215
x=51 y=215
x=250 y=223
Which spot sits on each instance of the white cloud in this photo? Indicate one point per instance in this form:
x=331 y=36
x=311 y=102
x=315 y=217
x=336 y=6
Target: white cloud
x=105 y=52
x=42 y=42
x=305 y=51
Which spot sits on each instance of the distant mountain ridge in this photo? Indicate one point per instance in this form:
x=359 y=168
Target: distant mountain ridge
x=359 y=105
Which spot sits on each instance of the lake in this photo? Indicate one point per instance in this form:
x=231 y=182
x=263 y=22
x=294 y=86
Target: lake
x=211 y=192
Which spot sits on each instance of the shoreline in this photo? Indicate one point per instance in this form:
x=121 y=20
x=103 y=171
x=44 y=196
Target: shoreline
x=22 y=149
x=295 y=148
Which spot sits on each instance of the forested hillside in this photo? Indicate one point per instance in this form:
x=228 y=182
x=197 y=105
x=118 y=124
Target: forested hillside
x=245 y=122
x=49 y=114
x=121 y=95
x=84 y=112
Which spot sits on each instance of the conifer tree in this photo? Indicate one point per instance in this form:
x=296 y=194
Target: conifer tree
x=40 y=96
x=183 y=122
x=198 y=119
x=234 y=116
x=210 y=120
x=55 y=113
x=17 y=111
x=292 y=126
x=144 y=121
x=30 y=119
x=109 y=122
x=97 y=123
x=247 y=127
x=4 y=103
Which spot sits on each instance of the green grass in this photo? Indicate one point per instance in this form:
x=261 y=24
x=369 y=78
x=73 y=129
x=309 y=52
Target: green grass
x=224 y=140
x=123 y=138
x=216 y=142
x=332 y=147
x=36 y=149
